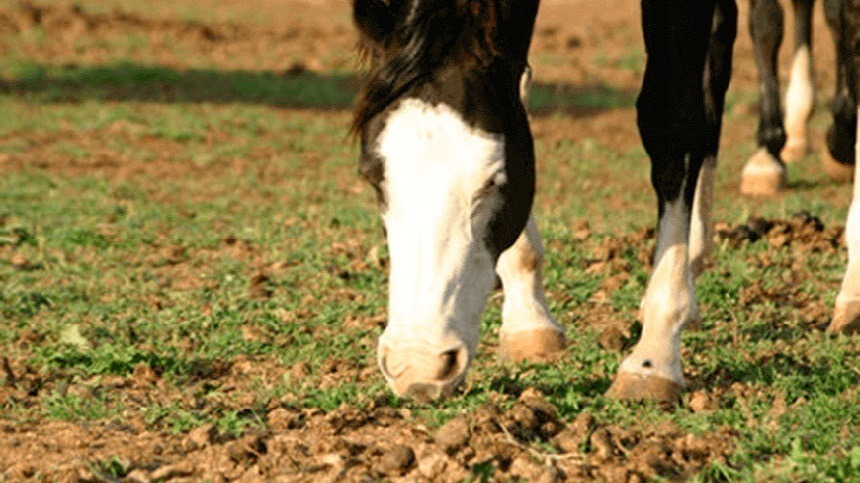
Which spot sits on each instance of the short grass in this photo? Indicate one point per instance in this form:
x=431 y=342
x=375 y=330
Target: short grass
x=130 y=270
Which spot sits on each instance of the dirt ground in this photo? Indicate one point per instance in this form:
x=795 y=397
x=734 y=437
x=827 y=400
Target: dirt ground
x=381 y=442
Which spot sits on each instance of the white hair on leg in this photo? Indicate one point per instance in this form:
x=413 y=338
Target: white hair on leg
x=528 y=329
x=653 y=369
x=799 y=104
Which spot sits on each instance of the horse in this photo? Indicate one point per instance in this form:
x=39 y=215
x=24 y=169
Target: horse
x=446 y=144
x=784 y=138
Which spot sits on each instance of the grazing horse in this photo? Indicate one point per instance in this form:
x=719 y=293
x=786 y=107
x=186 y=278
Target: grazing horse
x=782 y=140
x=445 y=142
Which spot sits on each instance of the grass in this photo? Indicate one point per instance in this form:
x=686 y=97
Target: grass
x=252 y=174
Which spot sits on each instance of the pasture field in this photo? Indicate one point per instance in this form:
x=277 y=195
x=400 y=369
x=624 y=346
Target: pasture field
x=193 y=276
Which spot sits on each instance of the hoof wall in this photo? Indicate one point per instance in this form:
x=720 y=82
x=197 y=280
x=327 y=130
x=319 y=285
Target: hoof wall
x=531 y=345
x=628 y=386
x=763 y=175
x=846 y=320
x=794 y=151
x=835 y=170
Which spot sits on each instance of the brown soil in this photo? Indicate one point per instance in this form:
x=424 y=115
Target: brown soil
x=351 y=444
x=378 y=441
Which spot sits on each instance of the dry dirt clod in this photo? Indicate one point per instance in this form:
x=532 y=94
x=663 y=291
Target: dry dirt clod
x=137 y=476
x=612 y=339
x=259 y=286
x=453 y=434
x=143 y=375
x=525 y=468
x=397 y=460
x=169 y=472
x=699 y=401
x=571 y=438
x=19 y=262
x=525 y=419
x=601 y=443
x=568 y=441
x=247 y=449
x=200 y=437
x=281 y=419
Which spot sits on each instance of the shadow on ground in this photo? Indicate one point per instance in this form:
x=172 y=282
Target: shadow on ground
x=289 y=89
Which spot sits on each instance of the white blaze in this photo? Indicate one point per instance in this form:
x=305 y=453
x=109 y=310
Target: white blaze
x=441 y=179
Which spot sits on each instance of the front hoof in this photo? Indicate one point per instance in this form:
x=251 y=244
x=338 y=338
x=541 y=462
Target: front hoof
x=763 y=175
x=794 y=151
x=835 y=170
x=629 y=386
x=846 y=319
x=535 y=345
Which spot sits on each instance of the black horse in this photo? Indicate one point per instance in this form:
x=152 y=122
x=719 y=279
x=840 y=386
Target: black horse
x=445 y=141
x=783 y=136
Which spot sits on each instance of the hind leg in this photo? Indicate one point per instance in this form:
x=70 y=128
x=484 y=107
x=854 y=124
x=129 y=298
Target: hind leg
x=839 y=159
x=800 y=97
x=764 y=173
x=528 y=329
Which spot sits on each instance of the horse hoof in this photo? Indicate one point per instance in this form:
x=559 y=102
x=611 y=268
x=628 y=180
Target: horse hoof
x=835 y=170
x=535 y=345
x=763 y=175
x=629 y=386
x=846 y=320
x=794 y=151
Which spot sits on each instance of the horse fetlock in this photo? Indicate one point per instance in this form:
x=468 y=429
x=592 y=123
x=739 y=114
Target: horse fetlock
x=835 y=168
x=763 y=175
x=424 y=373
x=796 y=148
x=846 y=315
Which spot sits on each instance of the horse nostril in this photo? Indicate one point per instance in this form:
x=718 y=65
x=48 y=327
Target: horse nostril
x=449 y=365
x=452 y=364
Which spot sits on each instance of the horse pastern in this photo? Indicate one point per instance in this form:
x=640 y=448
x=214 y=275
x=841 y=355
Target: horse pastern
x=846 y=319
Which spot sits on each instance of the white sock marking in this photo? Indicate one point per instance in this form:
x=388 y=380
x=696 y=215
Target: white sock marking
x=669 y=301
x=800 y=97
x=525 y=307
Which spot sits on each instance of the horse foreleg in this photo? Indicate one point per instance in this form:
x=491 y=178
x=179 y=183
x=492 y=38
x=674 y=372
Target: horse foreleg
x=689 y=47
x=528 y=329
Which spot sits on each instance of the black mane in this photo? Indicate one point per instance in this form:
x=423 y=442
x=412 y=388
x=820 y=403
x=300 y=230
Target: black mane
x=429 y=35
